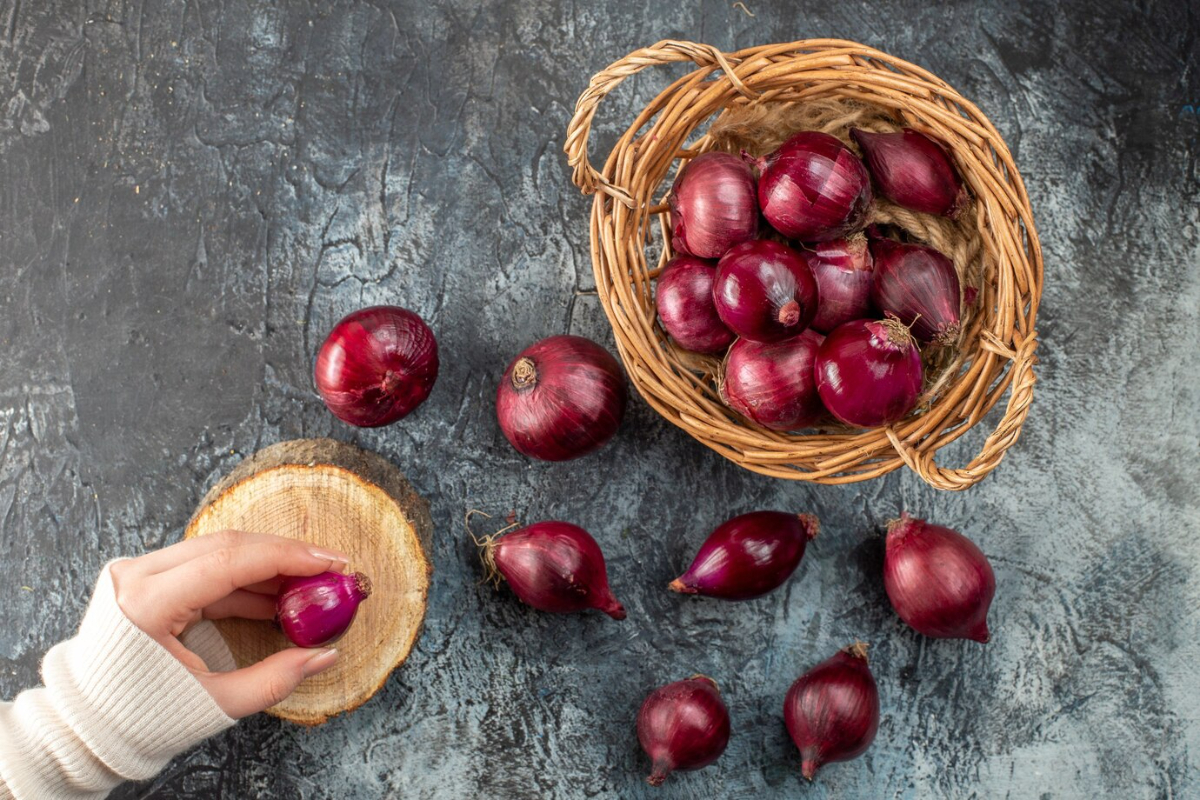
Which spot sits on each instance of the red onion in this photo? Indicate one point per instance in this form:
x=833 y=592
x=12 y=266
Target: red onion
x=814 y=188
x=869 y=373
x=376 y=366
x=939 y=582
x=920 y=287
x=913 y=170
x=773 y=383
x=315 y=611
x=765 y=291
x=832 y=711
x=561 y=398
x=748 y=556
x=843 y=269
x=552 y=566
x=682 y=726
x=713 y=205
x=684 y=297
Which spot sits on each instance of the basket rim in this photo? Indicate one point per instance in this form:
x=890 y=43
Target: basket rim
x=1000 y=355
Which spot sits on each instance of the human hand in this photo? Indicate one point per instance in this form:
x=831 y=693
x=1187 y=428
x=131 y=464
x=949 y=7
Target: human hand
x=226 y=574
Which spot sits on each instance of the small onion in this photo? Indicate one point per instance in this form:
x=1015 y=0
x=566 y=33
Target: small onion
x=684 y=297
x=920 y=287
x=773 y=383
x=376 y=366
x=316 y=610
x=869 y=373
x=813 y=188
x=765 y=291
x=939 y=582
x=843 y=269
x=552 y=566
x=561 y=398
x=713 y=205
x=683 y=726
x=748 y=556
x=913 y=170
x=832 y=711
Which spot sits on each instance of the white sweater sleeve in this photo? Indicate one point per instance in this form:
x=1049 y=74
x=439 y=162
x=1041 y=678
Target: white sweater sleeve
x=116 y=706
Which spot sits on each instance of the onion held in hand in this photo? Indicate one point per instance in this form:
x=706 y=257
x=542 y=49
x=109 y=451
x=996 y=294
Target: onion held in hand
x=315 y=611
x=939 y=582
x=713 y=205
x=552 y=566
x=843 y=269
x=561 y=398
x=773 y=383
x=764 y=291
x=832 y=711
x=912 y=170
x=919 y=286
x=684 y=297
x=376 y=366
x=813 y=188
x=869 y=373
x=749 y=555
x=683 y=726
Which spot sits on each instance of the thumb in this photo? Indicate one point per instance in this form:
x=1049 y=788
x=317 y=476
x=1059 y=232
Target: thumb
x=258 y=687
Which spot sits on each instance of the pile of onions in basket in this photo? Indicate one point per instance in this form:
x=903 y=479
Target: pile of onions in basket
x=829 y=326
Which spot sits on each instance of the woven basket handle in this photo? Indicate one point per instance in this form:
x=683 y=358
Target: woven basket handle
x=998 y=442
x=585 y=176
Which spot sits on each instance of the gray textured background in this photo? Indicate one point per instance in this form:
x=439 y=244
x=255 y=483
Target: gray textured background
x=191 y=193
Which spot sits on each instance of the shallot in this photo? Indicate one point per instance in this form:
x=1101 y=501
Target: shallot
x=832 y=711
x=683 y=726
x=938 y=580
x=552 y=566
x=913 y=170
x=316 y=610
x=749 y=555
x=920 y=287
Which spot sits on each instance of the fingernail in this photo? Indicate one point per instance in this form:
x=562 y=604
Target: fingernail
x=328 y=555
x=320 y=661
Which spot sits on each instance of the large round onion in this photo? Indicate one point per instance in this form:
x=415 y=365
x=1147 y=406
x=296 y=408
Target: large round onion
x=814 y=188
x=869 y=373
x=713 y=206
x=773 y=383
x=684 y=298
x=561 y=398
x=765 y=291
x=376 y=366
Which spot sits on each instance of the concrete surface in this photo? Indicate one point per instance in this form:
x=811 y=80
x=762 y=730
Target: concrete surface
x=191 y=193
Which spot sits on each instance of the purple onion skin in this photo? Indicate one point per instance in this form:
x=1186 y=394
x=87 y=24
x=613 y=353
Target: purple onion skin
x=869 y=373
x=939 y=582
x=561 y=398
x=683 y=726
x=832 y=711
x=844 y=272
x=555 y=567
x=814 y=188
x=920 y=287
x=684 y=296
x=376 y=366
x=913 y=170
x=713 y=205
x=764 y=291
x=748 y=556
x=773 y=383
x=315 y=611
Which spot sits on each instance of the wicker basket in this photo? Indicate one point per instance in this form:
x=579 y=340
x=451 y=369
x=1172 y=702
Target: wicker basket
x=994 y=247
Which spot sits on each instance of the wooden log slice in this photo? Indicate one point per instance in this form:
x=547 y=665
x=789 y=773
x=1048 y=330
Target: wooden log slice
x=333 y=495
